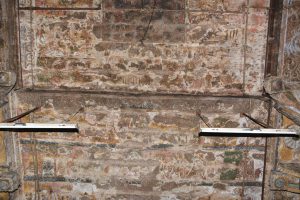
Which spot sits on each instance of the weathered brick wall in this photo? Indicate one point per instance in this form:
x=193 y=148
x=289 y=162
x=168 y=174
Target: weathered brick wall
x=211 y=47
x=141 y=146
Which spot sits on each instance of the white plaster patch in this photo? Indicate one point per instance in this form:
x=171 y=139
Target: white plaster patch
x=84 y=188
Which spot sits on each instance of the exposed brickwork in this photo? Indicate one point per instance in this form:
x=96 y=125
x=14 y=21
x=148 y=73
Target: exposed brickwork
x=60 y=3
x=141 y=147
x=190 y=47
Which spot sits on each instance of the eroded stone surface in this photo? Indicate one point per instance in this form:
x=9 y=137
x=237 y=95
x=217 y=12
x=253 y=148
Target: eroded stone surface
x=144 y=147
x=291 y=68
x=129 y=145
x=185 y=50
x=60 y=3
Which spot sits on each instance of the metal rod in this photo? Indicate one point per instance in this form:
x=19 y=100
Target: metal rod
x=257 y=121
x=247 y=132
x=35 y=127
x=21 y=115
x=203 y=119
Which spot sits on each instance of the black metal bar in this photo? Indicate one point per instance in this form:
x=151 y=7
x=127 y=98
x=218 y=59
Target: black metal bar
x=21 y=115
x=257 y=121
x=244 y=135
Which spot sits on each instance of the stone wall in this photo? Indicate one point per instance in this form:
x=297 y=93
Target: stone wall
x=140 y=147
x=133 y=74
x=192 y=46
x=284 y=86
x=9 y=180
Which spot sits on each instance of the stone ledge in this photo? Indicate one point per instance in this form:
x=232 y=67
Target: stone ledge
x=9 y=181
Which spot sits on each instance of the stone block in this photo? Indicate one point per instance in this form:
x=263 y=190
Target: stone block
x=60 y=4
x=9 y=181
x=136 y=4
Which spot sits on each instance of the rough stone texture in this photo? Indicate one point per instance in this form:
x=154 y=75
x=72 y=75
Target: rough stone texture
x=1 y=38
x=146 y=146
x=9 y=180
x=207 y=47
x=141 y=147
x=60 y=3
x=291 y=68
x=9 y=177
x=8 y=37
x=289 y=156
x=285 y=88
